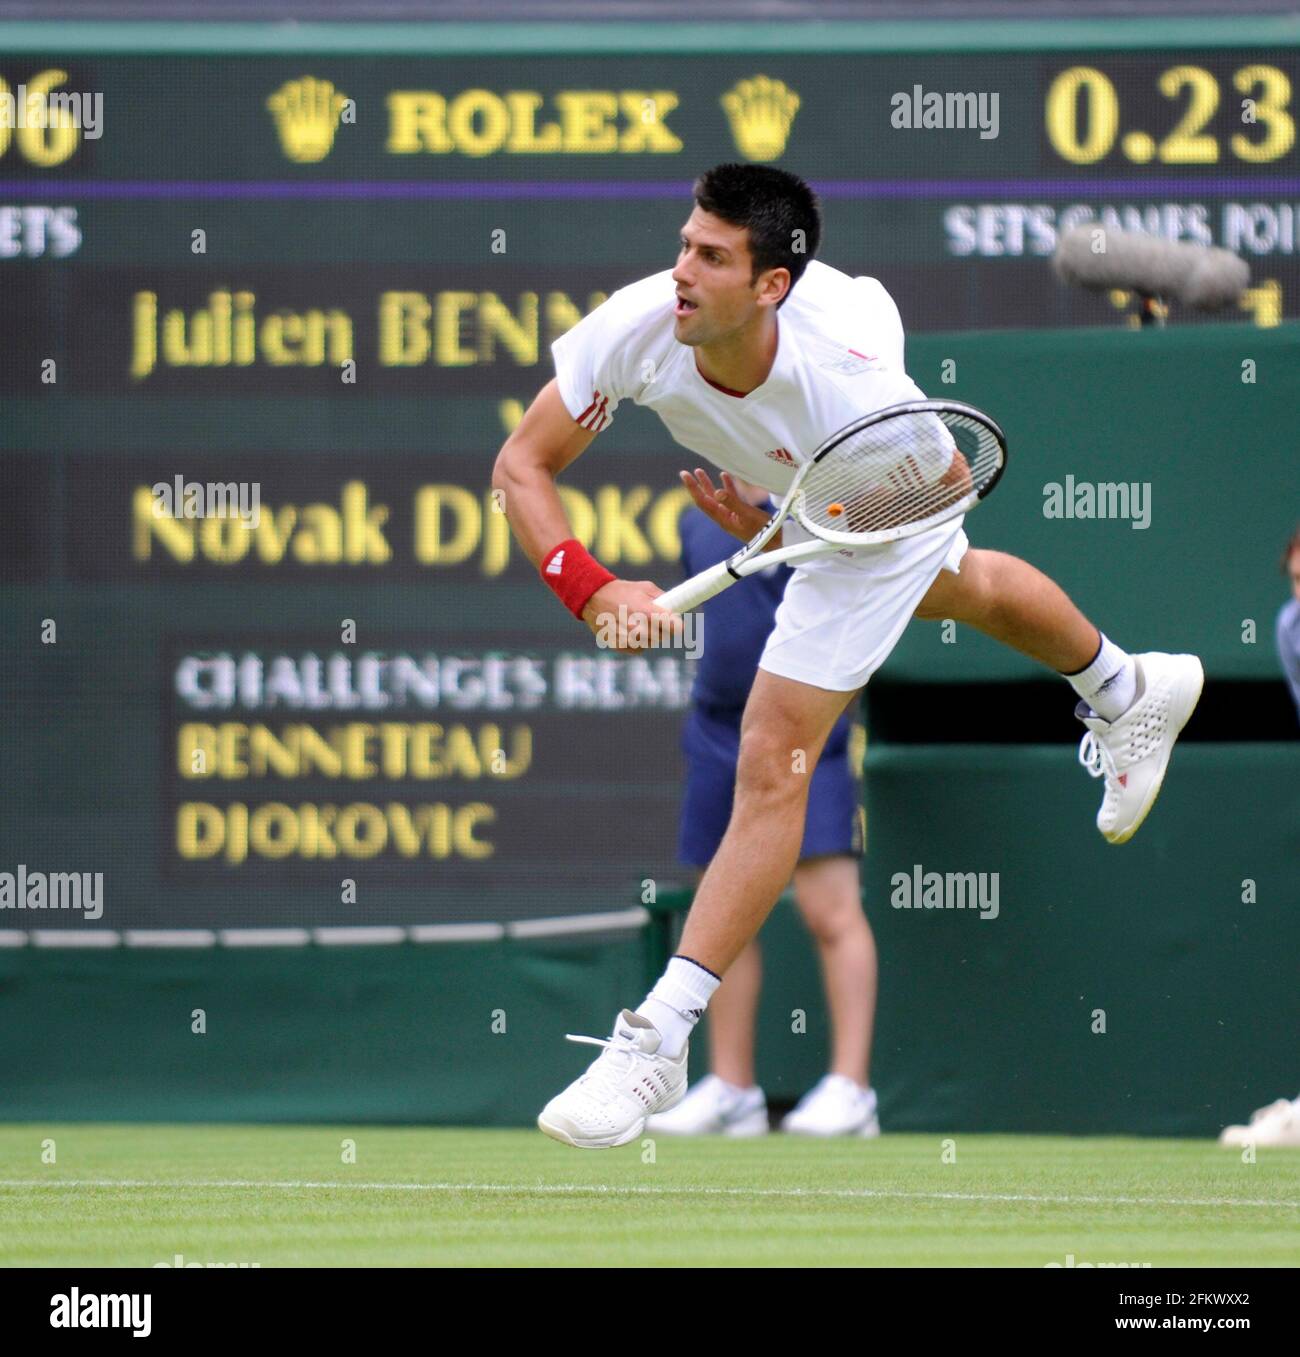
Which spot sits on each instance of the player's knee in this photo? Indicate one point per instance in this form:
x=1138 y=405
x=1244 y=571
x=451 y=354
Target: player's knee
x=972 y=594
x=771 y=768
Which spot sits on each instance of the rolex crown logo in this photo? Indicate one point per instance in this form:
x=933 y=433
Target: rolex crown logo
x=760 y=111
x=306 y=116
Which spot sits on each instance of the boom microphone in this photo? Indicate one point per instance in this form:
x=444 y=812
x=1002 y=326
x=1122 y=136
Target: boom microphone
x=1206 y=278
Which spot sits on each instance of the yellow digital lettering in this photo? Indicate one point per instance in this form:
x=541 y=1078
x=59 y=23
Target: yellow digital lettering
x=200 y=830
x=319 y=538
x=478 y=122
x=50 y=144
x=525 y=137
x=518 y=333
x=644 y=128
x=431 y=547
x=417 y=121
x=580 y=511
x=144 y=331
x=280 y=756
x=449 y=346
x=662 y=521
x=196 y=738
x=403 y=329
x=618 y=538
x=175 y=536
x=273 y=830
x=362 y=830
x=587 y=118
x=467 y=818
x=281 y=338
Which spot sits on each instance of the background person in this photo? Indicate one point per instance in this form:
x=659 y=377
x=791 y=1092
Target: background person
x=1288 y=619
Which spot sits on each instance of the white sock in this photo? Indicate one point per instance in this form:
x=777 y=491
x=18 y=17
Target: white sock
x=736 y=1090
x=678 y=1001
x=1109 y=684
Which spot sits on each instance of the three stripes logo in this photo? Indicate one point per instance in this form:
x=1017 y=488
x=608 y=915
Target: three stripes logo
x=905 y=476
x=557 y=564
x=782 y=456
x=596 y=416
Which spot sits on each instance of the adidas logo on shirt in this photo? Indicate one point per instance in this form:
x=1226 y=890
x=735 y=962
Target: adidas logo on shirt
x=782 y=456
x=596 y=416
x=851 y=362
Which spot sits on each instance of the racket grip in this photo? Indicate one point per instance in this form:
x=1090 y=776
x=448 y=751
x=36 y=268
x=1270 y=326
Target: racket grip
x=698 y=589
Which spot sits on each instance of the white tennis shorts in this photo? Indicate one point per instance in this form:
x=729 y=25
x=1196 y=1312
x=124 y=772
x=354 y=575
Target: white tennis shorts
x=840 y=619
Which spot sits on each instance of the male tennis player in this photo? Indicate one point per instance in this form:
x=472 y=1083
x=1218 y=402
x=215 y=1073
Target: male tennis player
x=752 y=354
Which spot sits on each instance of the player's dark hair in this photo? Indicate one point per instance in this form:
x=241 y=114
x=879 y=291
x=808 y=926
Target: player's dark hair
x=1291 y=547
x=780 y=212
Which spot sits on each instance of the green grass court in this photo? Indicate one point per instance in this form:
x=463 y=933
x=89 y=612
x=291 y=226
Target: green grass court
x=279 y=1196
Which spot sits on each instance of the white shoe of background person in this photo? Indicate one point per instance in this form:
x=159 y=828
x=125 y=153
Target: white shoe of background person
x=714 y=1108
x=1132 y=752
x=1278 y=1124
x=835 y=1106
x=627 y=1082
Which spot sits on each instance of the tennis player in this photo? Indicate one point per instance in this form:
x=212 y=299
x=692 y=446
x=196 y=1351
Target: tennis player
x=752 y=353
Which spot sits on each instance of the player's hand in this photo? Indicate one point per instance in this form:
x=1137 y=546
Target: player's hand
x=624 y=616
x=726 y=506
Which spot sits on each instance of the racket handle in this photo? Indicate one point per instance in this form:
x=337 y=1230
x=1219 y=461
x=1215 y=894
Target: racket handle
x=698 y=589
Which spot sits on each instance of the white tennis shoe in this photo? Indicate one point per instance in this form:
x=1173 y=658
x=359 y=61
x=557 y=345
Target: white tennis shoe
x=627 y=1082
x=835 y=1106
x=714 y=1108
x=1278 y=1124
x=1132 y=752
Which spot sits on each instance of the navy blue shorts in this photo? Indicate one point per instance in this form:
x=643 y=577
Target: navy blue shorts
x=711 y=743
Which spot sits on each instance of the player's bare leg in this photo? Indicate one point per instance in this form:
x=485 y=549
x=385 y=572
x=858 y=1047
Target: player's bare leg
x=1134 y=706
x=726 y=1101
x=643 y=1071
x=828 y=892
x=1013 y=602
x=785 y=727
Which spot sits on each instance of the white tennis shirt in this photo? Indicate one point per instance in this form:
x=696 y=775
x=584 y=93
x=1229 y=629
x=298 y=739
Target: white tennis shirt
x=839 y=356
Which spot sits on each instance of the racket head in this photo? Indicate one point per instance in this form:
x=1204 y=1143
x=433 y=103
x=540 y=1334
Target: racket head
x=898 y=472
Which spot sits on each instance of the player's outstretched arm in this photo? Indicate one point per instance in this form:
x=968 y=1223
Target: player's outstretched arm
x=546 y=441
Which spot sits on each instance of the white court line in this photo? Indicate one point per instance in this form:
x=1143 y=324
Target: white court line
x=363 y=935
x=578 y=1189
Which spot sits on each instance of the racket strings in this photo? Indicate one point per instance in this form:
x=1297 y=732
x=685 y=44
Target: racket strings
x=899 y=471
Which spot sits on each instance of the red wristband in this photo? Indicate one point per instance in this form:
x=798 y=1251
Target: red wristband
x=574 y=574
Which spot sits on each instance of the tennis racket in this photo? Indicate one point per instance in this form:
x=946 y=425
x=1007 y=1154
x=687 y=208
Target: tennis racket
x=888 y=475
